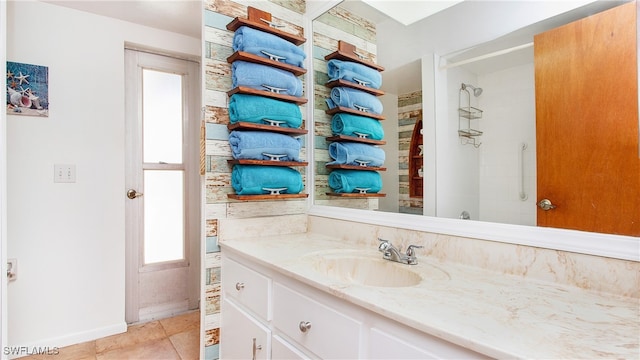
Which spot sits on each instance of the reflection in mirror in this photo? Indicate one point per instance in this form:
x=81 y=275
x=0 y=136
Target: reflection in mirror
x=494 y=182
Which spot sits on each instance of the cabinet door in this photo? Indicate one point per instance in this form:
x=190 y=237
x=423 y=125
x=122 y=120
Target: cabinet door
x=330 y=335
x=241 y=336
x=246 y=287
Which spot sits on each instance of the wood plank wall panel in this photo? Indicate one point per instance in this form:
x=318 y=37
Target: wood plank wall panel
x=217 y=81
x=409 y=112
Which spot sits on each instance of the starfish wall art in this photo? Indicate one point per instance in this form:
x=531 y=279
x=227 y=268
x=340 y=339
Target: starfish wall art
x=27 y=89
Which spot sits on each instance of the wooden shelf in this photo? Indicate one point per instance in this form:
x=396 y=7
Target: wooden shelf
x=252 y=91
x=253 y=20
x=343 y=109
x=347 y=52
x=349 y=84
x=264 y=127
x=356 y=167
x=266 y=162
x=355 y=139
x=245 y=56
x=266 y=197
x=356 y=195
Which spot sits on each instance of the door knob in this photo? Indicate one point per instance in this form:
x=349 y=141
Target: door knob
x=546 y=205
x=132 y=194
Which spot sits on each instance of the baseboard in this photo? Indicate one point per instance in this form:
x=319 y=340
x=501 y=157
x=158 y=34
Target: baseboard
x=51 y=345
x=162 y=311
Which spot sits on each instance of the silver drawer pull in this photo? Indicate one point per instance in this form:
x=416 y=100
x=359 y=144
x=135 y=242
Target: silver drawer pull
x=239 y=286
x=255 y=349
x=304 y=326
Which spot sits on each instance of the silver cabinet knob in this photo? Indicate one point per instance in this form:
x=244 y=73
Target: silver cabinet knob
x=546 y=205
x=132 y=194
x=239 y=286
x=304 y=326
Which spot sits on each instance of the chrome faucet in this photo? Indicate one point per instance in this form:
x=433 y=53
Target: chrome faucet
x=390 y=252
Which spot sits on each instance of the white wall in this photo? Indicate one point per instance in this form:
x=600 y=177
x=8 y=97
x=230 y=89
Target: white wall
x=3 y=184
x=69 y=238
x=457 y=176
x=509 y=119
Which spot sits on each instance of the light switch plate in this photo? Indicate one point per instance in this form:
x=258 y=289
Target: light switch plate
x=64 y=173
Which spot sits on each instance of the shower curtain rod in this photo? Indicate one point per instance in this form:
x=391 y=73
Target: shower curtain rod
x=487 y=56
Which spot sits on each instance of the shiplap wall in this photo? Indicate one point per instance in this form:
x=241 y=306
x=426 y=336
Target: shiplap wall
x=217 y=72
x=409 y=113
x=336 y=24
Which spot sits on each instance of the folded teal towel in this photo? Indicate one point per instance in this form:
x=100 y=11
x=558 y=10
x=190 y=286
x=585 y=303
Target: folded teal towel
x=354 y=125
x=354 y=99
x=263 y=77
x=263 y=145
x=258 y=109
x=355 y=154
x=258 y=179
x=354 y=72
x=349 y=181
x=268 y=46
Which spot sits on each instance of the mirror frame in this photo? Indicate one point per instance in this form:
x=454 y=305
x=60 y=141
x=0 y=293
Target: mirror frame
x=598 y=244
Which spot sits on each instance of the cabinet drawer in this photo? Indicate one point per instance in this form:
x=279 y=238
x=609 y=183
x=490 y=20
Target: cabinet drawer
x=247 y=287
x=281 y=349
x=331 y=335
x=241 y=336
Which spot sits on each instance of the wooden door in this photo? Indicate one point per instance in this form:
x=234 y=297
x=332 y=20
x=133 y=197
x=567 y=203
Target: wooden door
x=588 y=159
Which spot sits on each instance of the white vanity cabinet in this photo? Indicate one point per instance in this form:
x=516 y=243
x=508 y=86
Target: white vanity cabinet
x=276 y=317
x=246 y=312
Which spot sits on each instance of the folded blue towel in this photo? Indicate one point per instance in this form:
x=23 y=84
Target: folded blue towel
x=264 y=145
x=349 y=181
x=258 y=179
x=354 y=99
x=268 y=46
x=263 y=77
x=259 y=109
x=355 y=125
x=354 y=72
x=355 y=154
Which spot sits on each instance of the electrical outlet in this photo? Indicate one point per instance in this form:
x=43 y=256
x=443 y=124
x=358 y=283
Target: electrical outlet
x=12 y=269
x=64 y=173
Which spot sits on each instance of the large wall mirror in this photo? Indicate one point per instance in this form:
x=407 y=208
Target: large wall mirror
x=480 y=186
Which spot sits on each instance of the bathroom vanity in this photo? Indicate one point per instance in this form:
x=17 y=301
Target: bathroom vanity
x=309 y=295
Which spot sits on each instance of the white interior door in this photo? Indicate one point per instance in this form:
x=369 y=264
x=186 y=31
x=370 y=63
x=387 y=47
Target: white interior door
x=162 y=194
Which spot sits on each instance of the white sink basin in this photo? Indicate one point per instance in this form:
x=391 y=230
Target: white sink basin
x=365 y=270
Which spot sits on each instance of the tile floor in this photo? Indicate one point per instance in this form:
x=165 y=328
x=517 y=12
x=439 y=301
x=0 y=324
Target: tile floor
x=175 y=338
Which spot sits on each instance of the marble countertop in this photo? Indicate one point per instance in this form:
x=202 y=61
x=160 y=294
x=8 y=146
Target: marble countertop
x=499 y=315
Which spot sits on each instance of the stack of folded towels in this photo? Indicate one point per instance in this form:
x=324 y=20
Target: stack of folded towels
x=354 y=72
x=350 y=181
x=261 y=110
x=263 y=77
x=264 y=145
x=356 y=126
x=260 y=180
x=354 y=99
x=349 y=153
x=348 y=124
x=267 y=45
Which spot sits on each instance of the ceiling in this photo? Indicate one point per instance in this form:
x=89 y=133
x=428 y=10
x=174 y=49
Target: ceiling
x=178 y=16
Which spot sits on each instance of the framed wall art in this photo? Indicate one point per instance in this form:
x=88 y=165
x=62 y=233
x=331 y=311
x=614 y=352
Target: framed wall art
x=27 y=89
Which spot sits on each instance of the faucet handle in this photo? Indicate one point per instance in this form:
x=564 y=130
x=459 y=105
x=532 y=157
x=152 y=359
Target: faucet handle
x=411 y=251
x=384 y=244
